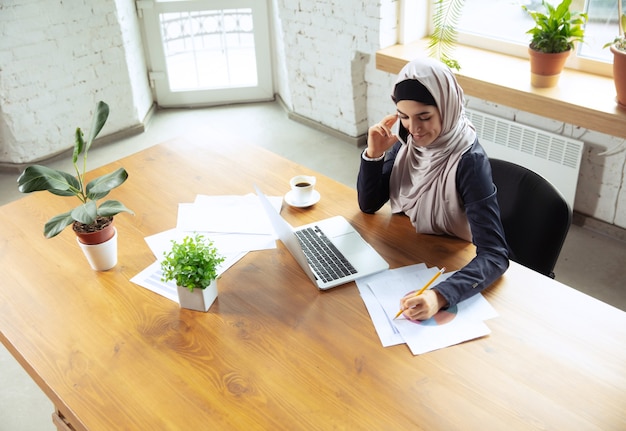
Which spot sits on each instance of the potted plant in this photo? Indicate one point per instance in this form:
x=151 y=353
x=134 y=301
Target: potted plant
x=92 y=223
x=192 y=264
x=553 y=38
x=618 y=48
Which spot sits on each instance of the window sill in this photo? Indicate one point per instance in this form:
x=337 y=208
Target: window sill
x=581 y=99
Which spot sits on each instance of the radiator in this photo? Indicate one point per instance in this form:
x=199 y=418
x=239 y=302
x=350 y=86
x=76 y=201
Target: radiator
x=552 y=156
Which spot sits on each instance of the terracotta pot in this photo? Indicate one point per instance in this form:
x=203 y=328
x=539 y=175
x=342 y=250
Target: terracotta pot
x=619 y=75
x=545 y=69
x=96 y=237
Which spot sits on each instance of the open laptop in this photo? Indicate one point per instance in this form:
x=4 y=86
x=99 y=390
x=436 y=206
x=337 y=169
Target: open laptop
x=355 y=259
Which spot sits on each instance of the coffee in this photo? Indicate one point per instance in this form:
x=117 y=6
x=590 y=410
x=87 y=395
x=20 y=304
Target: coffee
x=302 y=188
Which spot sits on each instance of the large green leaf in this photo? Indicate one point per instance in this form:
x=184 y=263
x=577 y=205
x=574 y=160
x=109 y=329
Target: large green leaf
x=111 y=208
x=85 y=213
x=56 y=224
x=101 y=186
x=37 y=177
x=99 y=118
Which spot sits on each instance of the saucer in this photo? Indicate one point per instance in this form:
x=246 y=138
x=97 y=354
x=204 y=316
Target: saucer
x=315 y=197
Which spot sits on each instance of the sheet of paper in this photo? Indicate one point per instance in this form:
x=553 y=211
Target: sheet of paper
x=229 y=214
x=224 y=242
x=382 y=292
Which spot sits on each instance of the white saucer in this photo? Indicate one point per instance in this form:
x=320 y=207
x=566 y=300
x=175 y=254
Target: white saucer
x=315 y=197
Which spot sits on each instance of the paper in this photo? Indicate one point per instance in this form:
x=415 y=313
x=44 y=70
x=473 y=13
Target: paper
x=235 y=225
x=225 y=243
x=381 y=294
x=229 y=214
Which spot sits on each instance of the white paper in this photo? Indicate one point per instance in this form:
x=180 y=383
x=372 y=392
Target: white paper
x=235 y=225
x=229 y=214
x=161 y=242
x=382 y=292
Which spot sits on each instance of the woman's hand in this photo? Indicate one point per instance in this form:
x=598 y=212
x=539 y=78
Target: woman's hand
x=423 y=306
x=380 y=137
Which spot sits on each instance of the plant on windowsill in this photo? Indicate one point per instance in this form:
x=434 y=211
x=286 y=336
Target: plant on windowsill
x=92 y=223
x=444 y=36
x=193 y=264
x=618 y=48
x=553 y=38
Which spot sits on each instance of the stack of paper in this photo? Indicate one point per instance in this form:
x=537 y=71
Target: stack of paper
x=235 y=225
x=382 y=293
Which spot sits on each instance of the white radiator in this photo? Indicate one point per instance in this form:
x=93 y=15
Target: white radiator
x=552 y=156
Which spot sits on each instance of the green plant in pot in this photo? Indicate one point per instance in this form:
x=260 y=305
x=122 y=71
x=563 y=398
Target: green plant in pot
x=193 y=265
x=618 y=48
x=552 y=39
x=92 y=222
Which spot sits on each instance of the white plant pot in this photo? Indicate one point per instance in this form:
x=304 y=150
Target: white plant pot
x=101 y=257
x=198 y=299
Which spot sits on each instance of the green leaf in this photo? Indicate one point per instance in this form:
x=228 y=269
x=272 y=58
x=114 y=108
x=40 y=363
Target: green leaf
x=79 y=145
x=101 y=186
x=192 y=263
x=111 y=207
x=85 y=213
x=99 y=118
x=444 y=36
x=56 y=224
x=36 y=178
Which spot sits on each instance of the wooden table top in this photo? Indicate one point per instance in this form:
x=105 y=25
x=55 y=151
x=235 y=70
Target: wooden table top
x=273 y=352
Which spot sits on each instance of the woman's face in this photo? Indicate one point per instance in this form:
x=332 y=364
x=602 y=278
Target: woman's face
x=422 y=121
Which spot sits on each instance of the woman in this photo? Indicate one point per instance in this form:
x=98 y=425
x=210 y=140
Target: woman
x=437 y=173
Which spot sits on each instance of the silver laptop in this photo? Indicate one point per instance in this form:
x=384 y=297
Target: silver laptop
x=331 y=252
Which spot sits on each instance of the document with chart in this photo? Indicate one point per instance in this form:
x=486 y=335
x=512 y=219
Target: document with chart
x=381 y=294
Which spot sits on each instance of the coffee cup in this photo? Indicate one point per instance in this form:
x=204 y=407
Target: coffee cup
x=302 y=187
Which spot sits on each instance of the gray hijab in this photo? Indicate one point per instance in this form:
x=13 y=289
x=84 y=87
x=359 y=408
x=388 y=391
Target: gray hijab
x=423 y=179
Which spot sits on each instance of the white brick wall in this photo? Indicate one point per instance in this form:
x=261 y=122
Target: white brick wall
x=56 y=63
x=326 y=46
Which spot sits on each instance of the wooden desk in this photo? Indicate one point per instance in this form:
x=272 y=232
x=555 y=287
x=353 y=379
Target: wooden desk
x=274 y=353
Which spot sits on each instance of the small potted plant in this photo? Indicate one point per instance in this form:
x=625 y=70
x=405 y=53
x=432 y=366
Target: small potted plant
x=192 y=264
x=553 y=38
x=92 y=223
x=618 y=48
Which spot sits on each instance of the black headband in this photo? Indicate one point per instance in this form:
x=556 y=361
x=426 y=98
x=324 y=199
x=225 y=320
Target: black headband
x=412 y=89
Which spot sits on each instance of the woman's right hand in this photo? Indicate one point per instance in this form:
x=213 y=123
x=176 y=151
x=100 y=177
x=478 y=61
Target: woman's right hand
x=380 y=137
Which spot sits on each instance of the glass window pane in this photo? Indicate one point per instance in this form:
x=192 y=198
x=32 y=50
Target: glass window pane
x=601 y=28
x=509 y=22
x=209 y=49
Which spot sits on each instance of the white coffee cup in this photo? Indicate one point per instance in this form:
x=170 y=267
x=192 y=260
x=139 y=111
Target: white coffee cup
x=302 y=187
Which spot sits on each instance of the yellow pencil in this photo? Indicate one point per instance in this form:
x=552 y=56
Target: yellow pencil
x=419 y=292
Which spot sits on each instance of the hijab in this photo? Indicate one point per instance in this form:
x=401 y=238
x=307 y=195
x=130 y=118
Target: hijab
x=423 y=179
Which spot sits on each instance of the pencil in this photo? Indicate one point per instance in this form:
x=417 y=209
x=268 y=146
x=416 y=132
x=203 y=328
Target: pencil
x=419 y=292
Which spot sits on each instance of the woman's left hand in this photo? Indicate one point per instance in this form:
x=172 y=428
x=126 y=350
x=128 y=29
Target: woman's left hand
x=423 y=306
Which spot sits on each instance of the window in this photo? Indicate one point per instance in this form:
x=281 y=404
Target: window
x=501 y=26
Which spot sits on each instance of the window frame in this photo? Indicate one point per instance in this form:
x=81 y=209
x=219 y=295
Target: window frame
x=596 y=67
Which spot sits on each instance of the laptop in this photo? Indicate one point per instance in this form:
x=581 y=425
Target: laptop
x=331 y=252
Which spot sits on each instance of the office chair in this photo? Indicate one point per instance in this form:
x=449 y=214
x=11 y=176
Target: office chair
x=534 y=214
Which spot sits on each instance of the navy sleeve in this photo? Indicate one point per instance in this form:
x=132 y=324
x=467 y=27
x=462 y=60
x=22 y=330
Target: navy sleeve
x=478 y=194
x=373 y=181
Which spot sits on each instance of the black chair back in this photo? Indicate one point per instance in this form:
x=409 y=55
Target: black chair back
x=535 y=216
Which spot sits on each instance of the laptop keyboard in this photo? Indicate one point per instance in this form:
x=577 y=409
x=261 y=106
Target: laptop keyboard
x=327 y=262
